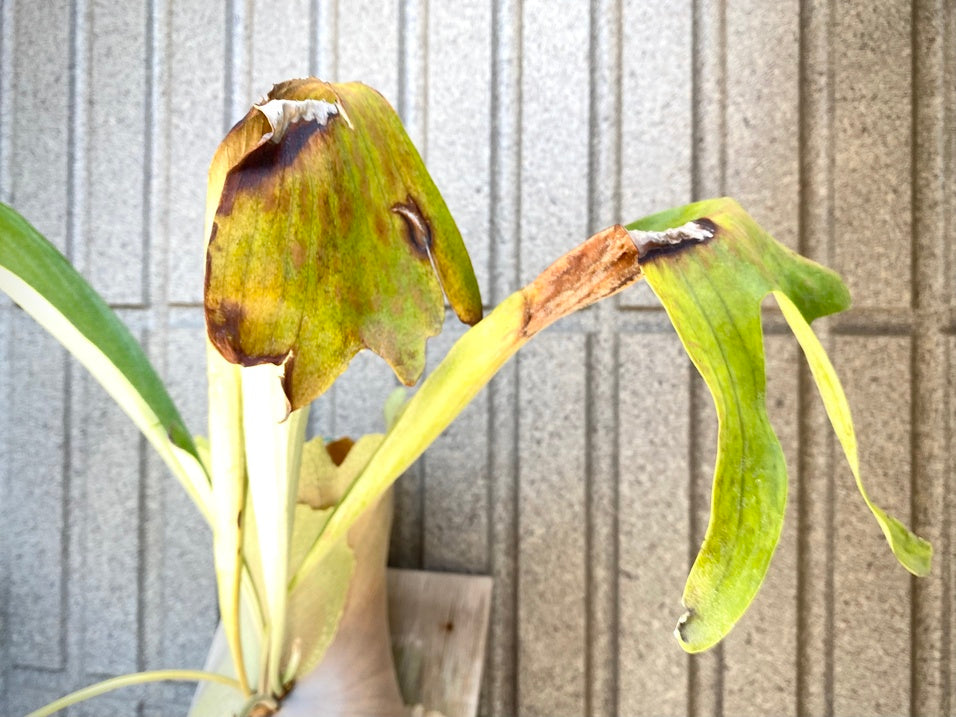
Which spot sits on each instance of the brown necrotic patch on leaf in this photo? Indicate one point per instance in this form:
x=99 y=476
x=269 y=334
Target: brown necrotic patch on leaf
x=339 y=449
x=222 y=324
x=419 y=230
x=257 y=172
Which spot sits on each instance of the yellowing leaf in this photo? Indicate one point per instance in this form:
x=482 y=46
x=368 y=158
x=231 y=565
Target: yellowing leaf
x=712 y=289
x=913 y=552
x=326 y=235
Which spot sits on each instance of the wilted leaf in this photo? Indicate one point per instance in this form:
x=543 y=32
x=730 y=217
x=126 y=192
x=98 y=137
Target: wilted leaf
x=712 y=291
x=326 y=235
x=316 y=609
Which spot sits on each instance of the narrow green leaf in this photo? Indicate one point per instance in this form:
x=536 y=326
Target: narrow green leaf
x=913 y=552
x=712 y=290
x=40 y=279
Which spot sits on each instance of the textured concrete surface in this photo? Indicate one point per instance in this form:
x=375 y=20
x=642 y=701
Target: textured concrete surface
x=834 y=123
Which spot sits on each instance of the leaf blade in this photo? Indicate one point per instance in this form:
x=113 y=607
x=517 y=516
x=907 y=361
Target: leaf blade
x=913 y=552
x=717 y=287
x=327 y=235
x=40 y=279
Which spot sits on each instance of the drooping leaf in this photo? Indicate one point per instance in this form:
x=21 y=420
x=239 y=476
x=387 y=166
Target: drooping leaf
x=316 y=608
x=40 y=279
x=326 y=235
x=712 y=290
x=913 y=552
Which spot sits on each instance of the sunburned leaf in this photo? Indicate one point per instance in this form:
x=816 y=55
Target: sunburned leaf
x=711 y=280
x=326 y=235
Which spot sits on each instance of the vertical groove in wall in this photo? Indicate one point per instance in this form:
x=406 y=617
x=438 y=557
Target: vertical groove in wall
x=160 y=39
x=148 y=138
x=403 y=99
x=7 y=122
x=77 y=224
x=326 y=60
x=228 y=77
x=501 y=682
x=156 y=291
x=949 y=611
x=315 y=41
x=238 y=79
x=930 y=294
x=601 y=504
x=589 y=568
x=802 y=375
x=696 y=99
x=949 y=148
x=949 y=227
x=814 y=614
x=705 y=671
x=614 y=622
x=7 y=94
x=826 y=445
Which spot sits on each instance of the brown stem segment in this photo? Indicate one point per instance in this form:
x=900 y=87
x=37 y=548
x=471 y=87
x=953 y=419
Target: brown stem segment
x=603 y=265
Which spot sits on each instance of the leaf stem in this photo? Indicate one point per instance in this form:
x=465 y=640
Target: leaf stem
x=136 y=678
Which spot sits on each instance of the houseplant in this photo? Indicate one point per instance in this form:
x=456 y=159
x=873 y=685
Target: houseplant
x=325 y=235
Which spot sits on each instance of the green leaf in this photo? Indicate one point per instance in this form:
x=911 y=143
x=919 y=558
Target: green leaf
x=712 y=290
x=913 y=552
x=40 y=279
x=326 y=235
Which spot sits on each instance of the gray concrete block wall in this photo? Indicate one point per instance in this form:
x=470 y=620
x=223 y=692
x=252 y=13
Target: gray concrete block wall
x=833 y=122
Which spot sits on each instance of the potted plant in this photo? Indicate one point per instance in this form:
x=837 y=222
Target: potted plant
x=325 y=235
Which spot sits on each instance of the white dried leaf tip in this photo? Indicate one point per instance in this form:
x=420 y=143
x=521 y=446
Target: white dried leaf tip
x=282 y=113
x=690 y=233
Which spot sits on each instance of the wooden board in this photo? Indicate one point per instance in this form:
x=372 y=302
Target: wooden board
x=439 y=624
